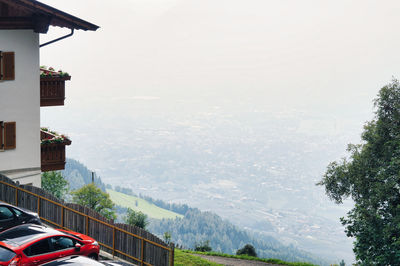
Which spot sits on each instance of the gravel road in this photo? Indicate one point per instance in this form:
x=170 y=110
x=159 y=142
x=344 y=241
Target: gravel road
x=233 y=262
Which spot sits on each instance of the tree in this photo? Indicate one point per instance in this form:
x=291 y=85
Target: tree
x=371 y=177
x=342 y=263
x=167 y=237
x=136 y=218
x=92 y=197
x=248 y=250
x=54 y=183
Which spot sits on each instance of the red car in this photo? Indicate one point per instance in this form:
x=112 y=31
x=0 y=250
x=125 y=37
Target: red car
x=31 y=244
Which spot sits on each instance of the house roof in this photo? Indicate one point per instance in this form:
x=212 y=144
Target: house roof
x=32 y=14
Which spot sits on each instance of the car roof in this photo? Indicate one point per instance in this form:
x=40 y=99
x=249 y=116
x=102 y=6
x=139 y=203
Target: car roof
x=15 y=207
x=22 y=234
x=74 y=260
x=7 y=205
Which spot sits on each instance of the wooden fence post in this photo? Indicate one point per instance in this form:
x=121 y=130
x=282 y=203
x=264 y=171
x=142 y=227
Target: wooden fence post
x=171 y=254
x=62 y=217
x=38 y=205
x=142 y=253
x=113 y=242
x=87 y=224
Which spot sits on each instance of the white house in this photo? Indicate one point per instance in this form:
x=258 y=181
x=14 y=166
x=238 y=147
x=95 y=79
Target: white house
x=25 y=151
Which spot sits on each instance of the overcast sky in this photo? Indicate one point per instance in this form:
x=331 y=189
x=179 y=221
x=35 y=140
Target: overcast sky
x=327 y=56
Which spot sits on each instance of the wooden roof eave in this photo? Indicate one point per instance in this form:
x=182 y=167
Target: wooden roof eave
x=43 y=15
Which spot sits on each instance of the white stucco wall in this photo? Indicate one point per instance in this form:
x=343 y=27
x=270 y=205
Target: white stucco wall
x=20 y=102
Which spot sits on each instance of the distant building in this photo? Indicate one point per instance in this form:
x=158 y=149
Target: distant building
x=25 y=150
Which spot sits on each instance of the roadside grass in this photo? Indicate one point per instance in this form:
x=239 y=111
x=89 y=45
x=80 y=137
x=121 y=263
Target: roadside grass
x=244 y=257
x=142 y=205
x=183 y=258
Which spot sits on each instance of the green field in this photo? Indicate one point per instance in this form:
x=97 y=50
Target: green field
x=185 y=259
x=147 y=208
x=245 y=257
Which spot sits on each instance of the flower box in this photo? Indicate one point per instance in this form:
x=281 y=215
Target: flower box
x=52 y=150
x=52 y=90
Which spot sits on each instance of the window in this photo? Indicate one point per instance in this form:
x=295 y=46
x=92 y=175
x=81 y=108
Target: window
x=38 y=248
x=1 y=136
x=18 y=213
x=7 y=135
x=6 y=214
x=61 y=242
x=7 y=66
x=6 y=254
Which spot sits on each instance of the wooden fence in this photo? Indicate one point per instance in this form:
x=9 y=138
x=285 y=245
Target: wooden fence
x=127 y=242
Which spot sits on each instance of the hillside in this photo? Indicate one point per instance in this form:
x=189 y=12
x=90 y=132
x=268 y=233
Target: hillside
x=198 y=226
x=194 y=226
x=142 y=205
x=79 y=175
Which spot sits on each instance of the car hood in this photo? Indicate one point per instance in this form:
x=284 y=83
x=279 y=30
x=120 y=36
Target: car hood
x=85 y=238
x=30 y=212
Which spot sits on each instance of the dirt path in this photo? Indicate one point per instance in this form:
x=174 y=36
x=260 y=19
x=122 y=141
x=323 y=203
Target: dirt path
x=233 y=262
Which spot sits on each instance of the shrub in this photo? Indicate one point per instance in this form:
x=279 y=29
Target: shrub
x=203 y=246
x=248 y=250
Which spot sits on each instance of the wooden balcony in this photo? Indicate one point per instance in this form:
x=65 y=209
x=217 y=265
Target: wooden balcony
x=52 y=90
x=52 y=151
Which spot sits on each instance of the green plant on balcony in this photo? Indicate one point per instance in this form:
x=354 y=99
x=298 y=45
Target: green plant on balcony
x=53 y=137
x=50 y=72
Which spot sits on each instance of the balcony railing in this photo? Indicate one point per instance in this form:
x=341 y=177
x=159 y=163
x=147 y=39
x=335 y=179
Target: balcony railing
x=52 y=151
x=52 y=90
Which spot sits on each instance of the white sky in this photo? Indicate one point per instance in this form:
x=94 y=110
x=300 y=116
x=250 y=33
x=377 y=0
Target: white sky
x=283 y=52
x=328 y=58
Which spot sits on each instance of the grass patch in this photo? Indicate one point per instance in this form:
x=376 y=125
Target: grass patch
x=151 y=210
x=182 y=258
x=244 y=257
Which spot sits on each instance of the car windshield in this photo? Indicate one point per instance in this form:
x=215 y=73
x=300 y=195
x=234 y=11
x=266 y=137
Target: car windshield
x=72 y=235
x=18 y=213
x=6 y=254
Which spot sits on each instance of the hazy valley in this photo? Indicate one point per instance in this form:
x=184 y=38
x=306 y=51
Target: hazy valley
x=255 y=168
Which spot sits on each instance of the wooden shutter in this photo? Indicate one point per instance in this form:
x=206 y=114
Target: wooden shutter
x=8 y=65
x=10 y=135
x=1 y=136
